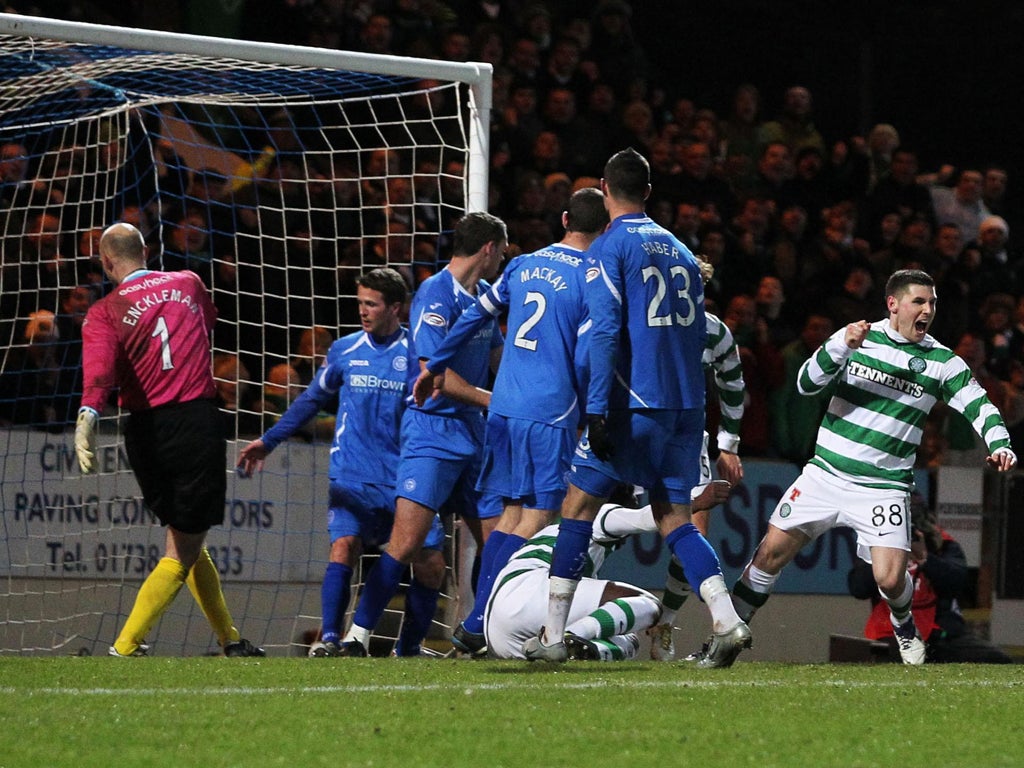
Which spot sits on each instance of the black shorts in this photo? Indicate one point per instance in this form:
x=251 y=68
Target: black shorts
x=179 y=456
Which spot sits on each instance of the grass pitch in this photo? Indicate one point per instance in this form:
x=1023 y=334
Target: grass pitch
x=409 y=713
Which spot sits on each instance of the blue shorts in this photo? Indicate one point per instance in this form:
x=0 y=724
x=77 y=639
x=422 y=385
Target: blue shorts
x=526 y=461
x=656 y=449
x=440 y=461
x=367 y=511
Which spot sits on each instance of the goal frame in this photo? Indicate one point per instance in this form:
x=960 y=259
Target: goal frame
x=478 y=76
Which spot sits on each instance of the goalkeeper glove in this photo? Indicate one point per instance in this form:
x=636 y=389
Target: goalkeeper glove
x=85 y=439
x=597 y=436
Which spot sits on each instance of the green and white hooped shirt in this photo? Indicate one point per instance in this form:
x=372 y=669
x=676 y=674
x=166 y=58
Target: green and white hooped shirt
x=884 y=392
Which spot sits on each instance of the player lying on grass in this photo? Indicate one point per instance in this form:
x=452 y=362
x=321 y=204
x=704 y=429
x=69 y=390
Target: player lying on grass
x=605 y=616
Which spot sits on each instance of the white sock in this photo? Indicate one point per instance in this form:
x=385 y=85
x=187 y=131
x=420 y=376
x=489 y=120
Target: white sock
x=761 y=581
x=361 y=634
x=560 y=593
x=899 y=609
x=723 y=613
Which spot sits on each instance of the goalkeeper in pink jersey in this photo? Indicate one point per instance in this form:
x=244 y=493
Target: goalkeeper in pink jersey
x=150 y=339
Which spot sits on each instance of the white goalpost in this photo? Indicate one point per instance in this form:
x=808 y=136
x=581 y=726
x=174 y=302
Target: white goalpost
x=279 y=174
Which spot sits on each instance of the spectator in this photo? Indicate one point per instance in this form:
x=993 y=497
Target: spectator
x=774 y=174
x=545 y=154
x=487 y=44
x=600 y=121
x=883 y=140
x=788 y=247
x=562 y=69
x=455 y=46
x=188 y=241
x=620 y=59
x=686 y=225
x=857 y=299
x=809 y=187
x=1003 y=342
x=965 y=448
x=746 y=257
x=946 y=250
x=833 y=253
x=376 y=35
x=561 y=118
x=44 y=264
x=762 y=371
x=233 y=383
x=962 y=204
x=794 y=126
x=310 y=352
x=771 y=310
x=1005 y=268
x=30 y=385
x=524 y=61
x=16 y=186
x=637 y=127
x=698 y=185
x=911 y=248
x=520 y=121
x=795 y=418
x=898 y=191
x=739 y=133
x=993 y=189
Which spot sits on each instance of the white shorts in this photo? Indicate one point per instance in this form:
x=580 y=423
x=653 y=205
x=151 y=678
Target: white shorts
x=518 y=609
x=818 y=501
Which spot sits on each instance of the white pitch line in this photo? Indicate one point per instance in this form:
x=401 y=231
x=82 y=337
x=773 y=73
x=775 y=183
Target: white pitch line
x=487 y=687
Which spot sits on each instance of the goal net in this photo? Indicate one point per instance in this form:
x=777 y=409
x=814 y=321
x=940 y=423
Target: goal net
x=279 y=174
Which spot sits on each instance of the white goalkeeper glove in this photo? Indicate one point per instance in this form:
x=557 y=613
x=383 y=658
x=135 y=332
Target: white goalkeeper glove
x=85 y=439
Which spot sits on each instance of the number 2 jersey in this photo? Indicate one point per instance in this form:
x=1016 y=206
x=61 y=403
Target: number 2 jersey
x=539 y=376
x=884 y=392
x=370 y=379
x=648 y=329
x=150 y=337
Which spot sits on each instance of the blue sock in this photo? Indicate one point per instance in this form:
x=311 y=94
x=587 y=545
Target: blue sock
x=420 y=606
x=334 y=596
x=507 y=546
x=695 y=553
x=381 y=584
x=570 y=555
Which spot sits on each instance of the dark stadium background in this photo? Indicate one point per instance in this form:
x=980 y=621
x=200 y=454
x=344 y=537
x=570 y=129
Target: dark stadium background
x=946 y=73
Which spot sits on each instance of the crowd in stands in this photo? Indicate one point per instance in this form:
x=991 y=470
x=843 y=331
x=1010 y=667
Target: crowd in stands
x=803 y=229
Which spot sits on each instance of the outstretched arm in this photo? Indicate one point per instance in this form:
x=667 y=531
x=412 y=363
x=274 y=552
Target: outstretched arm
x=251 y=457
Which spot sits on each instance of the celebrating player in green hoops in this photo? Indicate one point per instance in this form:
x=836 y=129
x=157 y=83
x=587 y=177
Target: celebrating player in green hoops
x=887 y=376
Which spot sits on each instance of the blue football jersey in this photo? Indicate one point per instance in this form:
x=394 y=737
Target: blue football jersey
x=438 y=303
x=371 y=381
x=648 y=327
x=547 y=314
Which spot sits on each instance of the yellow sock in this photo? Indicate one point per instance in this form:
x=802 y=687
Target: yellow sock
x=156 y=593
x=204 y=584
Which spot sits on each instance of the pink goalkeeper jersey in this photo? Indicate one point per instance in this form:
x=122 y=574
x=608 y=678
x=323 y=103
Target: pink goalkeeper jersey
x=151 y=338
